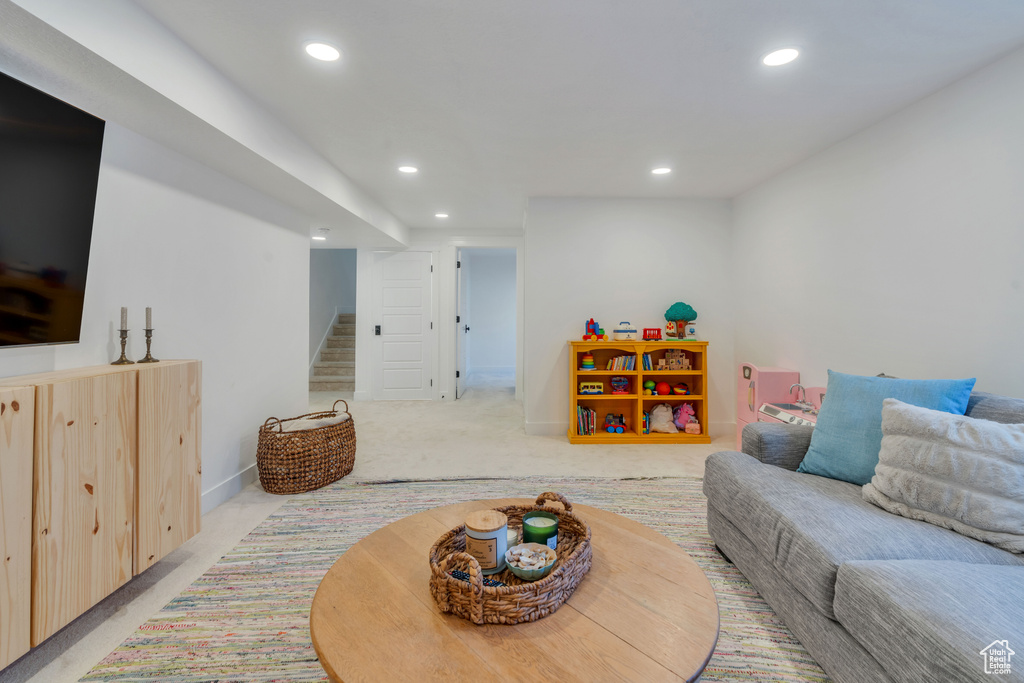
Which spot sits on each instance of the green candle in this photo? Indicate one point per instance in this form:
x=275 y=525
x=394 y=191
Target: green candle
x=541 y=527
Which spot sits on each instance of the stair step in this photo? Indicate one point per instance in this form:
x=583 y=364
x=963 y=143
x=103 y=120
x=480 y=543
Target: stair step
x=341 y=343
x=338 y=355
x=331 y=384
x=341 y=372
x=347 y=318
x=345 y=330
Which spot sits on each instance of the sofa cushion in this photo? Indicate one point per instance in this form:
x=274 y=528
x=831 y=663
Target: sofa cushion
x=929 y=621
x=995 y=408
x=807 y=526
x=955 y=471
x=848 y=432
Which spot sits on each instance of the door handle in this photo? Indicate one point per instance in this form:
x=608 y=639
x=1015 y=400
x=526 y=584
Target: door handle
x=376 y=330
x=467 y=328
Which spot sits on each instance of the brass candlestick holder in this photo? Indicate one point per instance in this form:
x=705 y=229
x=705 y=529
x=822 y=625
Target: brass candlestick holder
x=149 y=340
x=123 y=360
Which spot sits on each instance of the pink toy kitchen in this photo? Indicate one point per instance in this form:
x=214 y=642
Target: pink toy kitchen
x=767 y=394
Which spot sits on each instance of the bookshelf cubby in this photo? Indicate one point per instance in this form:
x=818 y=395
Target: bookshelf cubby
x=633 y=404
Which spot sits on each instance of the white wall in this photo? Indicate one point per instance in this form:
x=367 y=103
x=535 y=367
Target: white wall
x=490 y=276
x=332 y=290
x=227 y=283
x=623 y=259
x=899 y=249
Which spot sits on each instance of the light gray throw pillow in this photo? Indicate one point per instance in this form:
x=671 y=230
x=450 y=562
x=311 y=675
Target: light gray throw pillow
x=953 y=471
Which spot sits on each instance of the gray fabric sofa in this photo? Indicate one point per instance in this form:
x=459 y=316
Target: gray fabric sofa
x=871 y=595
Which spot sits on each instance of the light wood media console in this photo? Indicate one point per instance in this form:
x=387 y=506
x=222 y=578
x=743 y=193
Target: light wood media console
x=100 y=474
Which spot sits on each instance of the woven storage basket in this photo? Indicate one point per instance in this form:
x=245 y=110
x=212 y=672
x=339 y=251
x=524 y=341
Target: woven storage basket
x=519 y=600
x=305 y=459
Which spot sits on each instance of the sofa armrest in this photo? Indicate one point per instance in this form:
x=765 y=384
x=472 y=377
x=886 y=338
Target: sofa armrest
x=778 y=444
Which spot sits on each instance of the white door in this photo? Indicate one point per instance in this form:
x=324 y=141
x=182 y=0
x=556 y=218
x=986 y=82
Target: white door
x=403 y=348
x=461 y=324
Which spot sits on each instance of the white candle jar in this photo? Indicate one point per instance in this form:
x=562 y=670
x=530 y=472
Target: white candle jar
x=487 y=539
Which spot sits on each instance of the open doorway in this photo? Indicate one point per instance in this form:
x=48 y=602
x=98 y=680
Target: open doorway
x=332 y=324
x=486 y=319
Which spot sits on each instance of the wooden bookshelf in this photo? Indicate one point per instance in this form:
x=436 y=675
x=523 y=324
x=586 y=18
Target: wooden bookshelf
x=633 y=404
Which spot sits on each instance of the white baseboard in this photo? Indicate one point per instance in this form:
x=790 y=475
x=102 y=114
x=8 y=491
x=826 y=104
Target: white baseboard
x=229 y=488
x=547 y=428
x=361 y=396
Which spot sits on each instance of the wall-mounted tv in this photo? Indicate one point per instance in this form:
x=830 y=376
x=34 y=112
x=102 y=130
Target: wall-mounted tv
x=49 y=168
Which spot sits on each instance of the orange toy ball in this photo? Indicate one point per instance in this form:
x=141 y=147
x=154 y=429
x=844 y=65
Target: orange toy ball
x=663 y=389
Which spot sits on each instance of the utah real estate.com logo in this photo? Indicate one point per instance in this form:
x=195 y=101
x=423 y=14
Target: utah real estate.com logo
x=997 y=657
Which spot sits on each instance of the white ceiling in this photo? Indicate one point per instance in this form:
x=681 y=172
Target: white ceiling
x=499 y=101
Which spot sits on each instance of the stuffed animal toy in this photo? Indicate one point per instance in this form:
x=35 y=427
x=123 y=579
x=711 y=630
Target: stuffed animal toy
x=682 y=414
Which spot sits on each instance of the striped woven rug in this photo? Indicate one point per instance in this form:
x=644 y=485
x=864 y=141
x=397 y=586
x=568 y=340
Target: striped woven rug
x=246 y=619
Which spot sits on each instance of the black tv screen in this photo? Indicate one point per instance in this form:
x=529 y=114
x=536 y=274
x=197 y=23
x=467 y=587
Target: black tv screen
x=49 y=168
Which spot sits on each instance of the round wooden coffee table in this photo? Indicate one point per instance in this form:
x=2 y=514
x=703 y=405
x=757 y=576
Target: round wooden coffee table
x=644 y=612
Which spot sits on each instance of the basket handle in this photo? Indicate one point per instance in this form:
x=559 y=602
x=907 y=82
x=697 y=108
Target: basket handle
x=280 y=427
x=476 y=579
x=551 y=495
x=334 y=408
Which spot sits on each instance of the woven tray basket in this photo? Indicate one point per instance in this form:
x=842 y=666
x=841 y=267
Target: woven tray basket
x=519 y=600
x=305 y=459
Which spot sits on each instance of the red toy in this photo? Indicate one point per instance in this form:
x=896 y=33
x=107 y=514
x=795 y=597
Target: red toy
x=652 y=334
x=681 y=388
x=594 y=332
x=662 y=389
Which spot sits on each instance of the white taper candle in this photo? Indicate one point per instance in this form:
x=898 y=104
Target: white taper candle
x=124 y=317
x=149 y=318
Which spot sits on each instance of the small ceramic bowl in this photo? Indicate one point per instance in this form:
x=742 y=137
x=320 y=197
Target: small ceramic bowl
x=532 y=574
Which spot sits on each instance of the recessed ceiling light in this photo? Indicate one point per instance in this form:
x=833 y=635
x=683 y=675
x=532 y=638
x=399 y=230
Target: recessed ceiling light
x=440 y=215
x=408 y=169
x=323 y=52
x=661 y=170
x=321 y=234
x=780 y=57
x=319 y=237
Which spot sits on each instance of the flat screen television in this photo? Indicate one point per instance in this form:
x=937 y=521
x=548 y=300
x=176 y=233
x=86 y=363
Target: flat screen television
x=49 y=168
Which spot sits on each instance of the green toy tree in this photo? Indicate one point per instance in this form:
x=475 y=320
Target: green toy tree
x=680 y=311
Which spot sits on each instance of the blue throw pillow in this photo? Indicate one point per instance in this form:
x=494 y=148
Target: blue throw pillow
x=848 y=435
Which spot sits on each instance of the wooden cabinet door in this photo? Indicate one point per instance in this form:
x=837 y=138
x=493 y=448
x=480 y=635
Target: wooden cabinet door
x=85 y=441
x=170 y=459
x=17 y=409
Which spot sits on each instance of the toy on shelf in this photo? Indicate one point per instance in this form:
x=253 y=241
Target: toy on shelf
x=662 y=364
x=591 y=388
x=682 y=414
x=670 y=329
x=679 y=315
x=692 y=427
x=689 y=332
x=620 y=385
x=652 y=334
x=614 y=424
x=588 y=362
x=662 y=389
x=676 y=360
x=681 y=389
x=647 y=423
x=649 y=387
x=624 y=332
x=594 y=332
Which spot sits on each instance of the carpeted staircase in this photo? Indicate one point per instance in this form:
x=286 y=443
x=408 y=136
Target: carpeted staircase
x=336 y=369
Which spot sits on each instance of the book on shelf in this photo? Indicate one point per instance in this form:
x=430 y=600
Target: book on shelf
x=586 y=421
x=623 y=363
